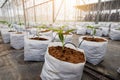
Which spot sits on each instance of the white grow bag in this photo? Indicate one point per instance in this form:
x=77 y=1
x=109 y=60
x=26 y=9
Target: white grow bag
x=68 y=38
x=81 y=31
x=34 y=50
x=105 y=31
x=89 y=30
x=114 y=34
x=49 y=33
x=99 y=32
x=95 y=51
x=55 y=69
x=5 y=35
x=17 y=40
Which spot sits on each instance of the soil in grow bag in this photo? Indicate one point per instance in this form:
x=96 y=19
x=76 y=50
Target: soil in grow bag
x=11 y=31
x=67 y=55
x=66 y=34
x=94 y=39
x=18 y=32
x=45 y=31
x=39 y=38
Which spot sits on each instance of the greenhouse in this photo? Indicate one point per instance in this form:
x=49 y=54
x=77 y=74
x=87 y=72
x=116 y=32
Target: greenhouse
x=59 y=39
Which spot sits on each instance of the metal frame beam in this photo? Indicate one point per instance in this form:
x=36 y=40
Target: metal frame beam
x=4 y=3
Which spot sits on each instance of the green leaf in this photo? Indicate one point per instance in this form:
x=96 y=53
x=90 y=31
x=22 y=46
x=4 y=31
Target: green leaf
x=91 y=27
x=94 y=31
x=68 y=31
x=20 y=23
x=61 y=37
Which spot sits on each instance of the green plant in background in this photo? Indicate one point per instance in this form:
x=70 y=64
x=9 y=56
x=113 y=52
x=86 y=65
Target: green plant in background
x=20 y=26
x=43 y=26
x=20 y=23
x=60 y=31
x=93 y=29
x=4 y=22
x=10 y=26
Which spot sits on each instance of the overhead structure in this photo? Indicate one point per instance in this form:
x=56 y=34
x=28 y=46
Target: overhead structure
x=109 y=10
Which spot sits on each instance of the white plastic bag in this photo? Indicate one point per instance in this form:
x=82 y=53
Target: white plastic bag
x=99 y=32
x=114 y=34
x=49 y=33
x=81 y=31
x=89 y=30
x=34 y=50
x=55 y=69
x=105 y=31
x=95 y=51
x=17 y=40
x=5 y=35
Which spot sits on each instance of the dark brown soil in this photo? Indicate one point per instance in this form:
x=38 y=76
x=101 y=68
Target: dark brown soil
x=39 y=38
x=45 y=31
x=18 y=32
x=66 y=34
x=67 y=55
x=11 y=31
x=94 y=39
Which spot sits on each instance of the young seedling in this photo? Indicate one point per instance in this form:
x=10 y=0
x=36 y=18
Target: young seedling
x=4 y=22
x=10 y=26
x=39 y=29
x=60 y=31
x=20 y=23
x=93 y=29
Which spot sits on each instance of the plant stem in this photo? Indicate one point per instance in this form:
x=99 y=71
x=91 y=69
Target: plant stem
x=62 y=46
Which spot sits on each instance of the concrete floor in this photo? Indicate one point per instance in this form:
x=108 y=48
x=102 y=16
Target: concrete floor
x=13 y=67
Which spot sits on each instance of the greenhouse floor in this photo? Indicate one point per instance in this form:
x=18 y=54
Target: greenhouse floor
x=13 y=67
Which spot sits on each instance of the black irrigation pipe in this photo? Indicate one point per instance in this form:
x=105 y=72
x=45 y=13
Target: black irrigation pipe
x=103 y=74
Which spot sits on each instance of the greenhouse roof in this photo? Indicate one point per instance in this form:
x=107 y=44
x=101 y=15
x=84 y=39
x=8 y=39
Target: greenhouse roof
x=107 y=5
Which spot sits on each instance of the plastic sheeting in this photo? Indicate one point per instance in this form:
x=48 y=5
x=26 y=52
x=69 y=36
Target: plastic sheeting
x=17 y=40
x=94 y=51
x=34 y=50
x=55 y=69
x=114 y=34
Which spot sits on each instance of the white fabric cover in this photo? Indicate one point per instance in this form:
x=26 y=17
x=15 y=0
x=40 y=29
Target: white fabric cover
x=114 y=34
x=105 y=31
x=49 y=33
x=89 y=30
x=68 y=38
x=55 y=69
x=81 y=31
x=99 y=32
x=94 y=51
x=5 y=35
x=17 y=40
x=33 y=31
x=19 y=28
x=34 y=50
